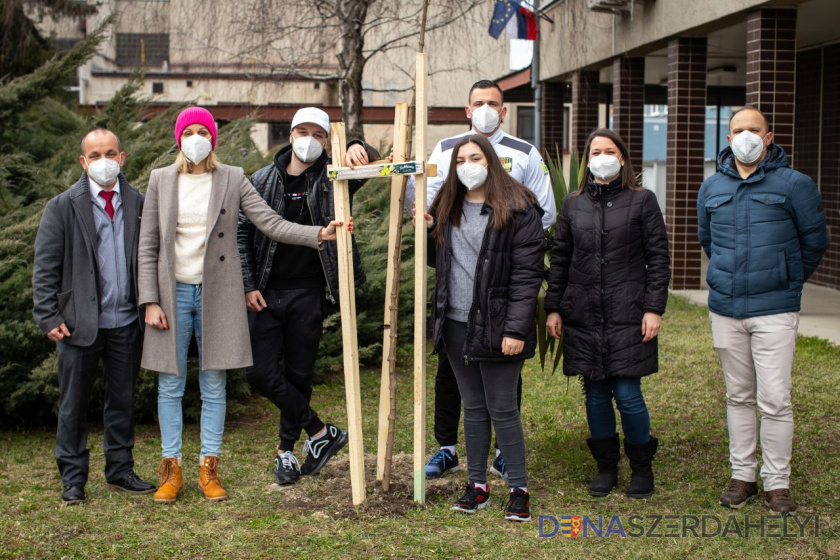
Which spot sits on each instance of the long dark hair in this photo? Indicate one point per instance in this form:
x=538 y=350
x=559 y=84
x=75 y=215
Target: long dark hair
x=628 y=174
x=503 y=193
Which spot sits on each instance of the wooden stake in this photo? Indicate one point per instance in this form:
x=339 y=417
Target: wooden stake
x=388 y=387
x=420 y=286
x=347 y=302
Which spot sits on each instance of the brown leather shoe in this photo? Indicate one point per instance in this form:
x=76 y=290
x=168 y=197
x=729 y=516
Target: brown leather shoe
x=208 y=480
x=779 y=500
x=171 y=481
x=738 y=493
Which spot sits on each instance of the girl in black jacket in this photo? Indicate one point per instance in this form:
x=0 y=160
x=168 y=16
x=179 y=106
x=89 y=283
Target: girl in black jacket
x=607 y=290
x=486 y=242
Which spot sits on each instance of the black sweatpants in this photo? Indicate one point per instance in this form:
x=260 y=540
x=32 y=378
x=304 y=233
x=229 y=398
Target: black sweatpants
x=291 y=326
x=78 y=367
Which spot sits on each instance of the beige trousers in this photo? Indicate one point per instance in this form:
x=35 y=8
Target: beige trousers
x=756 y=355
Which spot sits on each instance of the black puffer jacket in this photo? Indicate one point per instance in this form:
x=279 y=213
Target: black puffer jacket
x=256 y=251
x=609 y=266
x=508 y=277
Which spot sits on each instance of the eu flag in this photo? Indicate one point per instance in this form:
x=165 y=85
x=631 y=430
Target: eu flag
x=504 y=10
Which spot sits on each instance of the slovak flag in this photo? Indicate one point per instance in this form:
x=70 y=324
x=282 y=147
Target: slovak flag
x=523 y=26
x=502 y=12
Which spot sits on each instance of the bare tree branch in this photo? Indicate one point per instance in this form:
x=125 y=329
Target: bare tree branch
x=303 y=38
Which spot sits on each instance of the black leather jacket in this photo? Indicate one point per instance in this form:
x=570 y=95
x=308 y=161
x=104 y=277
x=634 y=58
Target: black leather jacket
x=256 y=251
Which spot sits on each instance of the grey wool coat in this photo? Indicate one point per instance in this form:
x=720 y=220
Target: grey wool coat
x=225 y=342
x=65 y=277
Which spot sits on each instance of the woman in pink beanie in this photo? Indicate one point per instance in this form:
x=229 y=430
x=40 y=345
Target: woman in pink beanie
x=190 y=282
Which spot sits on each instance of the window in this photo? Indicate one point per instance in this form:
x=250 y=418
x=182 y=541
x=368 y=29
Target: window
x=278 y=134
x=133 y=49
x=63 y=45
x=157 y=87
x=525 y=123
x=567 y=124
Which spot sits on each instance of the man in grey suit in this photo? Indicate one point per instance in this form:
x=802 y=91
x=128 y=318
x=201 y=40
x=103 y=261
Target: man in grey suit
x=85 y=299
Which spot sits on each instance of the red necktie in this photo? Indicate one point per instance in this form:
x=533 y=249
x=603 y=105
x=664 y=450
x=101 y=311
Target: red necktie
x=109 y=207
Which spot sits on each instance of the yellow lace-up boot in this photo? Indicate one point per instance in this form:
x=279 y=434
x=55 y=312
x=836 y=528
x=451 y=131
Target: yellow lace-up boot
x=171 y=480
x=208 y=480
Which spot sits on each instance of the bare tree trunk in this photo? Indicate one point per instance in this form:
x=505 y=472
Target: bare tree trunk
x=351 y=63
x=395 y=283
x=392 y=355
x=420 y=48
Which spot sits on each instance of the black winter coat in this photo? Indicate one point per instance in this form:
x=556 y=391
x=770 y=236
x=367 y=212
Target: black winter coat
x=609 y=266
x=508 y=276
x=256 y=251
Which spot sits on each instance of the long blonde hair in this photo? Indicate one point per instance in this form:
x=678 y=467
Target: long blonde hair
x=184 y=164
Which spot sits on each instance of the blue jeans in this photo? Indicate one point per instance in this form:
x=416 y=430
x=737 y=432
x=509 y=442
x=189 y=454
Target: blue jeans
x=171 y=387
x=627 y=393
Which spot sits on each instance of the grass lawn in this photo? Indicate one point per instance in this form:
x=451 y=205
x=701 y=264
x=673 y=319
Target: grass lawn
x=314 y=519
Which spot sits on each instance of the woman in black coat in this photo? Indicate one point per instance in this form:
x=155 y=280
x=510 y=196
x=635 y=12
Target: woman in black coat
x=607 y=290
x=487 y=245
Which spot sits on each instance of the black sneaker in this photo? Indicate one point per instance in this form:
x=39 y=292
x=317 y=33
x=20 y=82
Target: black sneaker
x=318 y=452
x=474 y=499
x=518 y=507
x=441 y=462
x=498 y=467
x=286 y=468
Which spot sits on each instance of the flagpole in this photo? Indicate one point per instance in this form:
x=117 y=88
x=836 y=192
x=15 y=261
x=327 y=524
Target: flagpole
x=535 y=81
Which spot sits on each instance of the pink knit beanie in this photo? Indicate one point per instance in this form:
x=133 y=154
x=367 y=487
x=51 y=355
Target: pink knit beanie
x=195 y=115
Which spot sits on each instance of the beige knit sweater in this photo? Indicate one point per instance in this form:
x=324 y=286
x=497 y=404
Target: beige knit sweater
x=191 y=231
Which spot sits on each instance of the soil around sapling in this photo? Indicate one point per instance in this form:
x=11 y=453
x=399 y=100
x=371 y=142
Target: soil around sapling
x=328 y=493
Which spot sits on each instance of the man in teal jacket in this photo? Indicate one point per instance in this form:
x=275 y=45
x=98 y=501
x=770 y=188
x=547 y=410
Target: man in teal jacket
x=762 y=226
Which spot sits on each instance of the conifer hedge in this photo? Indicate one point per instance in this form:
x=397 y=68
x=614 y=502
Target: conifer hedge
x=39 y=148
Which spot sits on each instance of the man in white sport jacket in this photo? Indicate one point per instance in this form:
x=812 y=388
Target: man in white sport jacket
x=523 y=161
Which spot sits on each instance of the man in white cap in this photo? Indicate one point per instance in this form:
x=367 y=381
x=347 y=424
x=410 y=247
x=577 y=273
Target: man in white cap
x=285 y=289
x=486 y=112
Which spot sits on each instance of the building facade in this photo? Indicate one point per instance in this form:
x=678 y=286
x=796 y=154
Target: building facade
x=268 y=59
x=666 y=74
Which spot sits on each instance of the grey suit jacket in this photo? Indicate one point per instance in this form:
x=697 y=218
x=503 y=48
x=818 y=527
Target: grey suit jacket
x=65 y=277
x=225 y=341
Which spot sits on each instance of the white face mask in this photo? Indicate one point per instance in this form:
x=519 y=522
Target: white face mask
x=485 y=119
x=604 y=167
x=747 y=147
x=103 y=171
x=307 y=149
x=196 y=148
x=472 y=175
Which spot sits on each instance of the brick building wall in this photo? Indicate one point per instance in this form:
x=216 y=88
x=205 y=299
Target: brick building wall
x=817 y=143
x=771 y=62
x=552 y=115
x=684 y=175
x=584 y=108
x=629 y=105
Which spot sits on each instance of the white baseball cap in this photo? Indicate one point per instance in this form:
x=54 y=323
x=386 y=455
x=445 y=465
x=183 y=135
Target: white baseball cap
x=312 y=115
